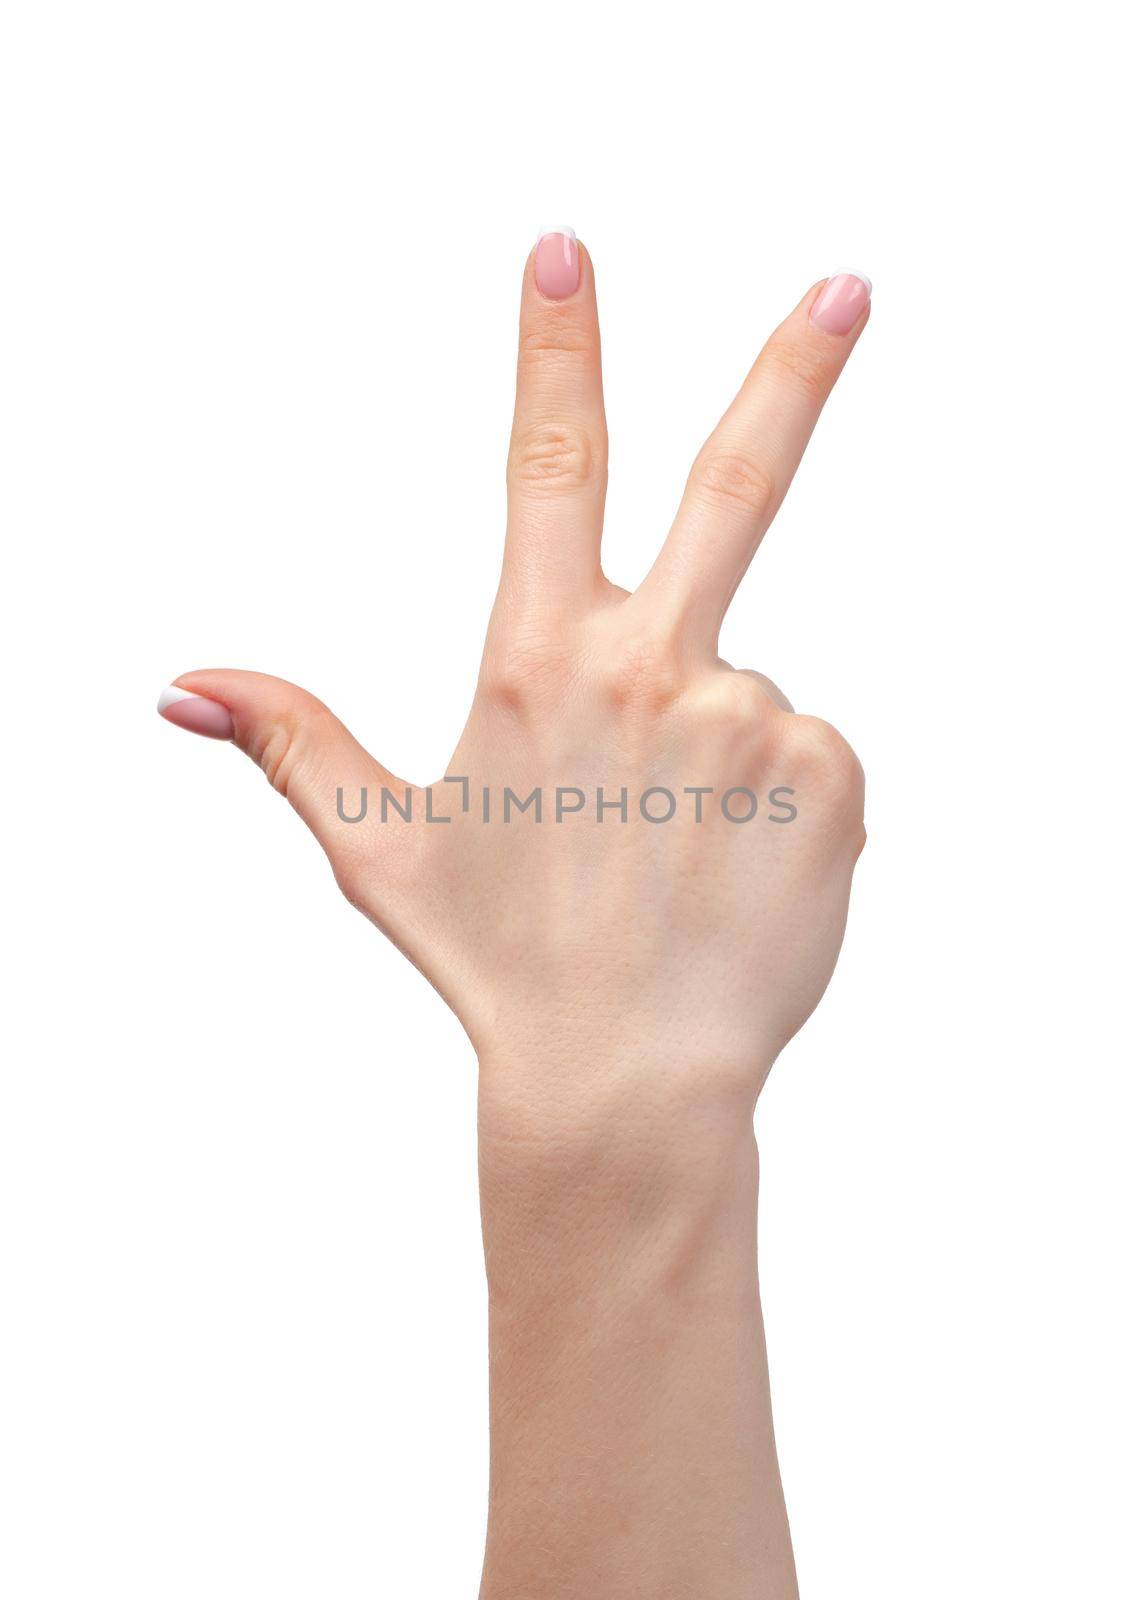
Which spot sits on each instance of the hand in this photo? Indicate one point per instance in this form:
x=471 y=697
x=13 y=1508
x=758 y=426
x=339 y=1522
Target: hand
x=701 y=938
x=636 y=898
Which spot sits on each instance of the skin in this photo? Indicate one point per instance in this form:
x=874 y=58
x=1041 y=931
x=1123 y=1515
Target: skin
x=626 y=986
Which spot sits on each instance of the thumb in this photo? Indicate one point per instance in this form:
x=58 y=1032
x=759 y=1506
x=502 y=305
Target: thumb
x=304 y=751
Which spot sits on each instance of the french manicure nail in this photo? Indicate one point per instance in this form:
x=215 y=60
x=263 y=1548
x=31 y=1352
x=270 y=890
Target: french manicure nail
x=840 y=303
x=196 y=713
x=556 y=263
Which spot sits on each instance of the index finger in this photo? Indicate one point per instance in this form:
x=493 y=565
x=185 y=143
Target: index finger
x=557 y=459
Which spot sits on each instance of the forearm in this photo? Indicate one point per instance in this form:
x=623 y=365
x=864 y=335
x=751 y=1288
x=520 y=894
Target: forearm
x=632 y=1439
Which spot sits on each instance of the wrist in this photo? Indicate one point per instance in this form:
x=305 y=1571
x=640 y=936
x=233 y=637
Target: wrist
x=616 y=1186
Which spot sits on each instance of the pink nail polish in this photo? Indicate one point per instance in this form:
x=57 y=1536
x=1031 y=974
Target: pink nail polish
x=194 y=712
x=556 y=263
x=840 y=303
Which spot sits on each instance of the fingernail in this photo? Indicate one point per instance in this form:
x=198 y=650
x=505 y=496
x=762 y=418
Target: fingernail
x=840 y=302
x=194 y=712
x=556 y=263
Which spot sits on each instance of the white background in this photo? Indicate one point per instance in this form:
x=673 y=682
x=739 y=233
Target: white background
x=260 y=274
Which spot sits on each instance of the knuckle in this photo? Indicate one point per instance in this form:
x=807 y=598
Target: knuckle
x=730 y=713
x=795 y=364
x=502 y=684
x=776 y=697
x=288 y=745
x=557 y=344
x=732 y=479
x=728 y=700
x=278 y=755
x=755 y=699
x=552 y=457
x=641 y=673
x=520 y=673
x=828 y=761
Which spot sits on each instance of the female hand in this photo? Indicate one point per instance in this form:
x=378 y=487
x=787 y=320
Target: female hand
x=630 y=945
x=706 y=935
